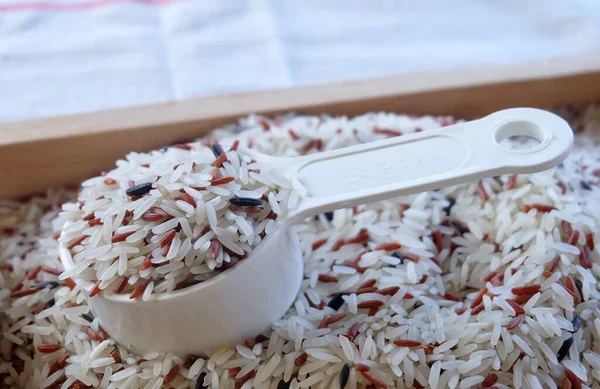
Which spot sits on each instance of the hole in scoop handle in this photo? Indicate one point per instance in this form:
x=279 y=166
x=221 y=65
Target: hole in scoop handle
x=429 y=160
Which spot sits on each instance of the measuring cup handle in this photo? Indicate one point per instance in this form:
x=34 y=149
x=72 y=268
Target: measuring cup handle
x=430 y=160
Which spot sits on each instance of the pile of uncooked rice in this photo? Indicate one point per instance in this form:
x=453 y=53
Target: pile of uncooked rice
x=171 y=218
x=488 y=284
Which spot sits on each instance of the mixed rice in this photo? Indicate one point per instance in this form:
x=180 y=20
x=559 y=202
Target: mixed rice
x=171 y=218
x=488 y=284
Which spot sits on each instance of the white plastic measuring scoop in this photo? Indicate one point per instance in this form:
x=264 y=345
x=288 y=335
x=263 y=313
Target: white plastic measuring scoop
x=241 y=302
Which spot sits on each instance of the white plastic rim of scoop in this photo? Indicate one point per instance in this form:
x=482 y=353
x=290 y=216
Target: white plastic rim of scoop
x=243 y=301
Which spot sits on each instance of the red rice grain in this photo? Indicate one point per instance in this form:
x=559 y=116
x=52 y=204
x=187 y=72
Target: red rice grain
x=168 y=238
x=95 y=289
x=218 y=162
x=489 y=276
x=539 y=207
x=518 y=309
x=388 y=291
x=566 y=227
x=390 y=246
x=460 y=311
x=337 y=245
x=95 y=222
x=386 y=131
x=76 y=242
x=51 y=270
x=573 y=238
x=360 y=367
x=554 y=264
x=293 y=135
x=102 y=335
x=562 y=186
x=244 y=379
x=70 y=283
x=122 y=285
x=352 y=331
x=147 y=264
x=478 y=298
x=584 y=258
x=522 y=299
x=368 y=283
x=139 y=290
x=301 y=360
x=319 y=243
x=373 y=380
x=438 y=240
x=365 y=290
x=589 y=240
x=59 y=364
x=34 y=273
x=116 y=356
x=48 y=348
x=121 y=237
x=23 y=292
x=182 y=146
x=482 y=193
x=88 y=217
x=171 y=374
x=477 y=309
x=327 y=278
x=529 y=289
x=222 y=181
x=370 y=304
x=328 y=320
x=92 y=334
x=451 y=297
x=411 y=257
x=515 y=322
x=407 y=343
x=575 y=381
x=510 y=184
x=361 y=237
x=403 y=208
x=490 y=380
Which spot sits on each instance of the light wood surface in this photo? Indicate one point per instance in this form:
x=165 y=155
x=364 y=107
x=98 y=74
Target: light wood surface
x=51 y=152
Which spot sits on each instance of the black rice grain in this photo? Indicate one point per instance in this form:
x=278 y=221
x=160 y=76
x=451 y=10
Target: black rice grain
x=245 y=201
x=178 y=227
x=585 y=185
x=200 y=381
x=564 y=349
x=451 y=204
x=344 y=375
x=46 y=284
x=459 y=227
x=50 y=303
x=336 y=302
x=283 y=385
x=576 y=323
x=87 y=317
x=217 y=149
x=139 y=189
x=328 y=216
x=398 y=254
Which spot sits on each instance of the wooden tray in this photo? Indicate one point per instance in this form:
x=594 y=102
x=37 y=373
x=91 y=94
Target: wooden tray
x=39 y=154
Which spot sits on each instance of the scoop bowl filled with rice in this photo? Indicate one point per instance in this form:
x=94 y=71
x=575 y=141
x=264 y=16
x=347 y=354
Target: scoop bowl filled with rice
x=189 y=247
